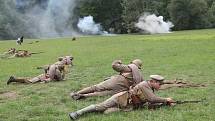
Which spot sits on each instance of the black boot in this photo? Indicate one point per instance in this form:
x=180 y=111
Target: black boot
x=11 y=79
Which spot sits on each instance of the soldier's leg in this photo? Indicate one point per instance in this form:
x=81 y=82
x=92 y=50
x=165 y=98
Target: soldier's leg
x=90 y=92
x=103 y=93
x=101 y=107
x=96 y=88
x=35 y=80
x=19 y=80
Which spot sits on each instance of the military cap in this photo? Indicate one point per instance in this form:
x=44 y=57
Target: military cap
x=157 y=77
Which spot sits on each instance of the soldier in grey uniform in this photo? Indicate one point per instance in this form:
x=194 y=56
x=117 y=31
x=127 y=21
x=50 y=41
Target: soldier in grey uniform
x=140 y=94
x=129 y=75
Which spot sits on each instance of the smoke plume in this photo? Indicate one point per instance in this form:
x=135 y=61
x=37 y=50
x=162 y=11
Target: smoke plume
x=88 y=26
x=50 y=18
x=153 y=24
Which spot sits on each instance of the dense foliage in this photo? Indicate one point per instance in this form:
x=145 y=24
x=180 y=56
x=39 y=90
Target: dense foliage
x=116 y=16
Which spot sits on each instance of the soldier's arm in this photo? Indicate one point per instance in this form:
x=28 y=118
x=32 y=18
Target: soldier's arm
x=119 y=67
x=151 y=97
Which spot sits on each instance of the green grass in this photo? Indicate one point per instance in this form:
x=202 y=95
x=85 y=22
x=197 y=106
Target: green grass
x=188 y=55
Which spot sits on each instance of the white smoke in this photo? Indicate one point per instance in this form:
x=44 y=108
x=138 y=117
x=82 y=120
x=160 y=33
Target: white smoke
x=88 y=26
x=53 y=21
x=153 y=24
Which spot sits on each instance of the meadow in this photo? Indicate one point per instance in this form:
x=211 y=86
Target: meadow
x=186 y=55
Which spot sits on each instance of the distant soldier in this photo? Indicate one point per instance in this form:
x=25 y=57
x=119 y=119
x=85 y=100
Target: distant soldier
x=141 y=94
x=10 y=51
x=130 y=75
x=21 y=53
x=55 y=73
x=19 y=41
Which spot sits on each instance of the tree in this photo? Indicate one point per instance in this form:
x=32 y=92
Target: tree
x=180 y=13
x=198 y=14
x=211 y=15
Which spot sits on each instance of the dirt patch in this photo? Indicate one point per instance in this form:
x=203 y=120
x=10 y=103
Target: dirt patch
x=8 y=95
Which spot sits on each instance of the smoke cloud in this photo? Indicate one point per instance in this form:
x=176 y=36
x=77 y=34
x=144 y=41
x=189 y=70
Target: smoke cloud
x=88 y=26
x=153 y=24
x=50 y=18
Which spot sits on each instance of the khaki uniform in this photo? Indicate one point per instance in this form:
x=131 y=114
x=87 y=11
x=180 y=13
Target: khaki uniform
x=22 y=54
x=55 y=73
x=123 y=99
x=40 y=78
x=62 y=61
x=129 y=75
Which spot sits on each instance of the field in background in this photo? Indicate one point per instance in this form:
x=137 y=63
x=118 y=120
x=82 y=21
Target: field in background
x=187 y=55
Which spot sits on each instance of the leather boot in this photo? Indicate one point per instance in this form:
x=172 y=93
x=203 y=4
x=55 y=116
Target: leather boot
x=77 y=114
x=11 y=79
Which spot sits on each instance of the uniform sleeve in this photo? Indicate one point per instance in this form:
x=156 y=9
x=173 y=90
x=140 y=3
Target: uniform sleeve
x=151 y=97
x=119 y=67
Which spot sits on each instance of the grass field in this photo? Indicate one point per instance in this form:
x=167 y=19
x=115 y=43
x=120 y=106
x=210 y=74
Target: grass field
x=188 y=55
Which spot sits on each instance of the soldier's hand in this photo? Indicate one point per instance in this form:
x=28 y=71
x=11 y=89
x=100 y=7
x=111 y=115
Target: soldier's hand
x=170 y=101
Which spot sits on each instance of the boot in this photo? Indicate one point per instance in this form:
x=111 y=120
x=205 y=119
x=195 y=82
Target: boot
x=11 y=79
x=77 y=114
x=73 y=116
x=76 y=96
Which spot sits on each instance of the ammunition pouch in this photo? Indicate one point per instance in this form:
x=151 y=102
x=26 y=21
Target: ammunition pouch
x=136 y=101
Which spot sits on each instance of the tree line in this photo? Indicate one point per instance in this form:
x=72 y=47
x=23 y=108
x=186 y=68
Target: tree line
x=118 y=16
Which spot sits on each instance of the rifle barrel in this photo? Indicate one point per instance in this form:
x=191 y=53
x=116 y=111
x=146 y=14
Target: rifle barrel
x=192 y=101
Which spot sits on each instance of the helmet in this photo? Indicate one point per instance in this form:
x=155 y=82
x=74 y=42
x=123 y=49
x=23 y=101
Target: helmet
x=137 y=62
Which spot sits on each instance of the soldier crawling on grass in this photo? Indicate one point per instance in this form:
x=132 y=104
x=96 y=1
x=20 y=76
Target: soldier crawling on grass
x=55 y=73
x=141 y=94
x=130 y=75
x=23 y=53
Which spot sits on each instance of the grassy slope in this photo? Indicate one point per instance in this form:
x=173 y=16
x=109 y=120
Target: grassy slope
x=189 y=55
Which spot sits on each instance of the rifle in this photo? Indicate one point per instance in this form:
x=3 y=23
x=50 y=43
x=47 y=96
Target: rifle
x=191 y=101
x=36 y=52
x=154 y=105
